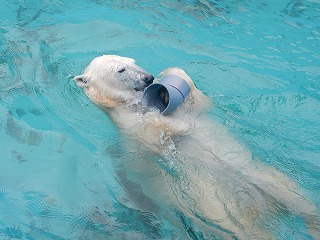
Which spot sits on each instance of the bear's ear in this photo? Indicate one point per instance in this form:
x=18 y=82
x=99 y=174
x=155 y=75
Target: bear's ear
x=82 y=80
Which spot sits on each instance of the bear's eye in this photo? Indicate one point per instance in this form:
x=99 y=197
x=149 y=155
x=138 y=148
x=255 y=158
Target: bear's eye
x=121 y=70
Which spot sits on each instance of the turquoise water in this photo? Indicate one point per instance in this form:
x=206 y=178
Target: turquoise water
x=64 y=166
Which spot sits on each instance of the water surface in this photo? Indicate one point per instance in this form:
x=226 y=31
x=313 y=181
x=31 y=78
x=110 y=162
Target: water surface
x=62 y=174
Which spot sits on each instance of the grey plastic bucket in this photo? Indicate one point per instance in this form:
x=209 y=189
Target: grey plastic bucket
x=166 y=95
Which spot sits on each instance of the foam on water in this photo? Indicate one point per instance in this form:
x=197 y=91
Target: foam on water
x=65 y=170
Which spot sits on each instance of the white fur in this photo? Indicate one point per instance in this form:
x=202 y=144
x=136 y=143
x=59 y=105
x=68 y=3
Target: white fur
x=225 y=186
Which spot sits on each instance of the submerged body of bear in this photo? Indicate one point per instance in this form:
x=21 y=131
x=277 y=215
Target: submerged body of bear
x=226 y=188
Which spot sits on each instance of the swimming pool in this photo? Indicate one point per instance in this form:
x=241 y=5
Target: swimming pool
x=62 y=172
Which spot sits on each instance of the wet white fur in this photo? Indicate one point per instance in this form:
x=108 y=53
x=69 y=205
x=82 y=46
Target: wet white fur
x=225 y=185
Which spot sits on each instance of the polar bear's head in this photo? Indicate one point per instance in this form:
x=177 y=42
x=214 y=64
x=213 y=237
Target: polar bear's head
x=111 y=80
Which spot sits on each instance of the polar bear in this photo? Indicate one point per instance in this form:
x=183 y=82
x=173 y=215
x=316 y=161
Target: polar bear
x=226 y=188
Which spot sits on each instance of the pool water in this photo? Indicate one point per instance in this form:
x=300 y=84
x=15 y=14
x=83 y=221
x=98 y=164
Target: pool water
x=65 y=169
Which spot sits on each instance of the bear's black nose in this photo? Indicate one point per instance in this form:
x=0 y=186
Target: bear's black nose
x=148 y=79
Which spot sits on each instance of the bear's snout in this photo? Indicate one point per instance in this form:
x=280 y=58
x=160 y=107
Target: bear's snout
x=148 y=79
